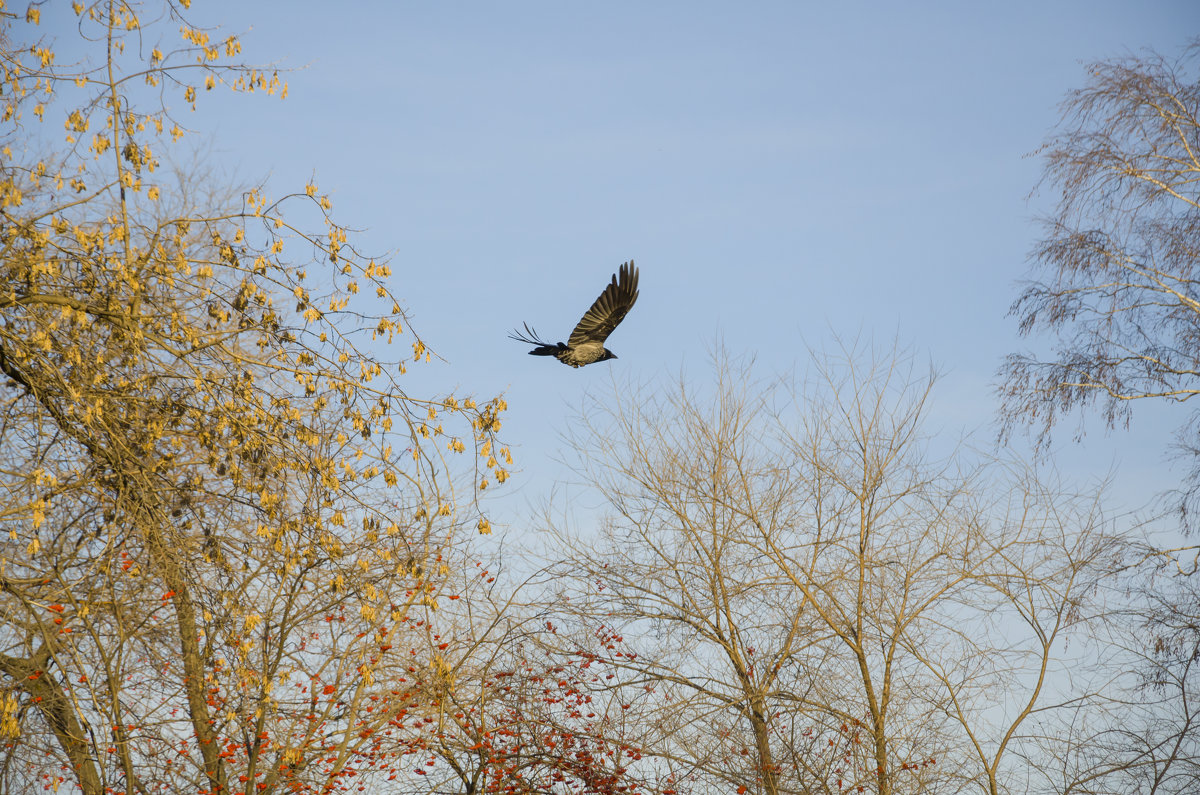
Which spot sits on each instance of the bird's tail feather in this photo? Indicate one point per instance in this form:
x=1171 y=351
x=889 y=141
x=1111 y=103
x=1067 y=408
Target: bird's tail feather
x=530 y=337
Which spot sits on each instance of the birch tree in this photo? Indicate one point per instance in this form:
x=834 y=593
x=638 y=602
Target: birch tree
x=1116 y=291
x=1116 y=282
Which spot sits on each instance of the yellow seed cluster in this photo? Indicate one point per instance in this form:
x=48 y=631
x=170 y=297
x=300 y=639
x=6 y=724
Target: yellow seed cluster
x=9 y=728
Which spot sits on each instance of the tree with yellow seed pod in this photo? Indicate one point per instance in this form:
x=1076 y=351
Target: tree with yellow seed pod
x=220 y=505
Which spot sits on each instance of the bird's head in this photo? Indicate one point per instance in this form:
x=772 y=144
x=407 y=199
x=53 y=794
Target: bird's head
x=607 y=355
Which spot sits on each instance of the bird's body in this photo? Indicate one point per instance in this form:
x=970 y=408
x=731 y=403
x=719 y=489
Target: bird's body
x=586 y=343
x=586 y=353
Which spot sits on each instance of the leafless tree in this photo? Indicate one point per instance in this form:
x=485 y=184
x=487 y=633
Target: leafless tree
x=818 y=603
x=1119 y=262
x=1119 y=295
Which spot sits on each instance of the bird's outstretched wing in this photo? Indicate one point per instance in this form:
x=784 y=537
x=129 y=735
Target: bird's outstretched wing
x=609 y=309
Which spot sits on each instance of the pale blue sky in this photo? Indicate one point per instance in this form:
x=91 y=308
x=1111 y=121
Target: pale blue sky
x=779 y=170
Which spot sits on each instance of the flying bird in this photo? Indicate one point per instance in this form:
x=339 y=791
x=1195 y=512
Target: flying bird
x=586 y=343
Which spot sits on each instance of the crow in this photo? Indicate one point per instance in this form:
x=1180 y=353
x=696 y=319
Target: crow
x=586 y=343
